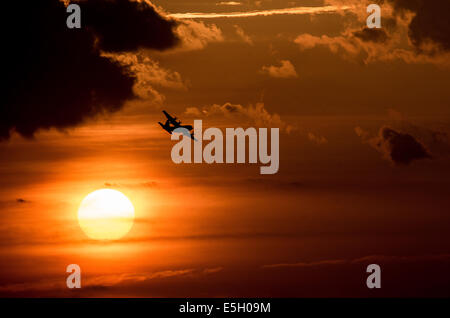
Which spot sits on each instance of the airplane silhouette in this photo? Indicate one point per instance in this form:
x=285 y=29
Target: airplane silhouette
x=172 y=124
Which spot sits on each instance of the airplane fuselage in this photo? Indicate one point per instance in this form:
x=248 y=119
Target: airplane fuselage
x=171 y=124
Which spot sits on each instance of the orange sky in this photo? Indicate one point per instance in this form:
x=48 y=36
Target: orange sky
x=339 y=202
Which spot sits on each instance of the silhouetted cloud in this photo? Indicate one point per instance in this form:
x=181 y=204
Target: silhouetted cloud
x=366 y=259
x=436 y=138
x=403 y=140
x=56 y=77
x=124 y=25
x=371 y=35
x=401 y=148
x=106 y=281
x=430 y=22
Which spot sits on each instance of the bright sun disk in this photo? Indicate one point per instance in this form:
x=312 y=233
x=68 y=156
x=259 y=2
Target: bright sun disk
x=106 y=214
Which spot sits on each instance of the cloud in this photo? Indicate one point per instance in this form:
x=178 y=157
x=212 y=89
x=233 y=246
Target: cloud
x=285 y=70
x=366 y=259
x=307 y=41
x=197 y=35
x=259 y=13
x=116 y=279
x=100 y=281
x=148 y=74
x=106 y=281
x=149 y=184
x=369 y=47
x=240 y=32
x=402 y=148
x=256 y=115
x=307 y=264
x=436 y=140
x=320 y=140
x=354 y=45
x=398 y=147
x=149 y=71
x=20 y=200
x=274 y=185
x=422 y=23
x=123 y=25
x=430 y=23
x=57 y=77
x=212 y=270
x=229 y=3
x=404 y=135
x=371 y=35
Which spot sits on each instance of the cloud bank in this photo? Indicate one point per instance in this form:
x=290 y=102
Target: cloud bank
x=423 y=23
x=57 y=77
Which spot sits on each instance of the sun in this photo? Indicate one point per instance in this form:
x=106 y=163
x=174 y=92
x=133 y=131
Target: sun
x=106 y=214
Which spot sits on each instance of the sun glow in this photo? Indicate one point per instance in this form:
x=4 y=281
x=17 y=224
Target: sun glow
x=106 y=215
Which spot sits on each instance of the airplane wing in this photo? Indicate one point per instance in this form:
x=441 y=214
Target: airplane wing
x=165 y=128
x=173 y=120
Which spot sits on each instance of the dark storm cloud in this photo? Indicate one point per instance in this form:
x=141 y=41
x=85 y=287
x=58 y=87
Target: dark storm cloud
x=402 y=148
x=430 y=23
x=399 y=147
x=55 y=76
x=371 y=35
x=123 y=25
x=436 y=139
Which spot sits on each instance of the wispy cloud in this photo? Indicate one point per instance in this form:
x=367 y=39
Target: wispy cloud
x=319 y=140
x=229 y=3
x=258 y=13
x=57 y=285
x=366 y=259
x=240 y=32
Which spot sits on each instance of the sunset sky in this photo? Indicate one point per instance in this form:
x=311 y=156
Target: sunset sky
x=364 y=123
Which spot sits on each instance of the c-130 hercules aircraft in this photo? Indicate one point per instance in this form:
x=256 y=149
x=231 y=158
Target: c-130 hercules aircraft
x=172 y=123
